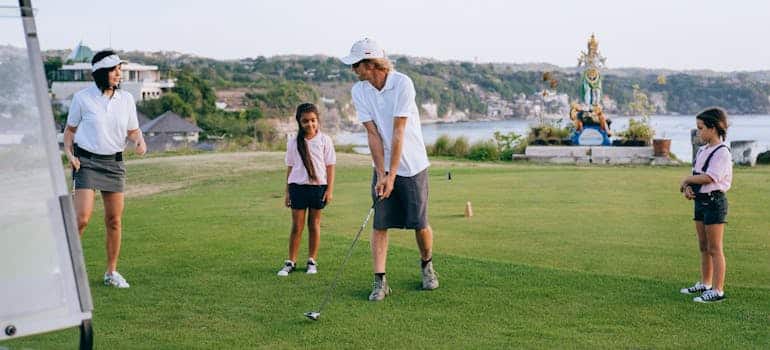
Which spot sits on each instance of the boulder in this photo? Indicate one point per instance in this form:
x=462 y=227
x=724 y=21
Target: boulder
x=745 y=152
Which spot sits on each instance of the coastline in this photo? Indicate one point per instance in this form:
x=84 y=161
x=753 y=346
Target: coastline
x=547 y=118
x=674 y=127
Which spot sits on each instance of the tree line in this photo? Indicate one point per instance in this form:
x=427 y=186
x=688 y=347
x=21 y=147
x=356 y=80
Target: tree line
x=276 y=85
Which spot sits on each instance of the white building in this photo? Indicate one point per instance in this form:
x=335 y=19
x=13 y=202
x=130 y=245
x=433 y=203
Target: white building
x=142 y=81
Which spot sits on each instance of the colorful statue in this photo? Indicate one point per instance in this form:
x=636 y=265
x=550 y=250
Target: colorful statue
x=592 y=58
x=591 y=88
x=588 y=113
x=586 y=117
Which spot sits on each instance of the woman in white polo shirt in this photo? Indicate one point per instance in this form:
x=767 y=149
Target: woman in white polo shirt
x=101 y=118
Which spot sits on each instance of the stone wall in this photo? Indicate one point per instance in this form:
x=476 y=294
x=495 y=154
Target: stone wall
x=594 y=155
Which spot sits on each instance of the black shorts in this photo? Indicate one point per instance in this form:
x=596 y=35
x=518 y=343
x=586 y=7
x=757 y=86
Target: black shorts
x=711 y=208
x=407 y=206
x=307 y=196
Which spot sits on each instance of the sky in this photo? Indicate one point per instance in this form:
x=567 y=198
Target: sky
x=674 y=34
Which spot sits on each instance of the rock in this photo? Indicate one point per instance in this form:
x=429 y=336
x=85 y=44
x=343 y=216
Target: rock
x=745 y=152
x=696 y=143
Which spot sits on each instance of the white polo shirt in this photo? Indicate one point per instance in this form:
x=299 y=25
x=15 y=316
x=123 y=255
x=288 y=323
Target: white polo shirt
x=396 y=99
x=102 y=122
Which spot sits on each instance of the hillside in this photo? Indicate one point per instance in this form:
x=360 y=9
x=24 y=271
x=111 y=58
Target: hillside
x=447 y=91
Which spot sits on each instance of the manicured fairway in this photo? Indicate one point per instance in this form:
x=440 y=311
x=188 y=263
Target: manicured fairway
x=555 y=256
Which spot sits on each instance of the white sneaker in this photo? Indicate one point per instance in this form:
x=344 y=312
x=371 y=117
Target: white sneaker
x=115 y=279
x=709 y=296
x=380 y=289
x=312 y=267
x=288 y=267
x=429 y=277
x=697 y=288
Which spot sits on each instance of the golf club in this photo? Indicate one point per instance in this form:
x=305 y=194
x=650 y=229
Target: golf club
x=314 y=315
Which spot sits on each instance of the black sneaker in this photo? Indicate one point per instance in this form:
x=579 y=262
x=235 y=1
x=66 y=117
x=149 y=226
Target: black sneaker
x=709 y=296
x=696 y=288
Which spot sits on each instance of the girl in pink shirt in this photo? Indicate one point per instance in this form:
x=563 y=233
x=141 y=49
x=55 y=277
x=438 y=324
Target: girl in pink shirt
x=310 y=159
x=712 y=175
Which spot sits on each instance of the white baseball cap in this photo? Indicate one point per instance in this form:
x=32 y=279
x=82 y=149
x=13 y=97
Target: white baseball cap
x=107 y=62
x=363 y=49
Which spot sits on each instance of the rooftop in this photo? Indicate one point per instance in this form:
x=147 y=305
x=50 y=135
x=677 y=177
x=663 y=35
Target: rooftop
x=126 y=67
x=169 y=122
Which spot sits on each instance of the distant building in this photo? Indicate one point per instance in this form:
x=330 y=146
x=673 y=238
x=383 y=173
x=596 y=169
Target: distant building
x=141 y=81
x=81 y=53
x=142 y=118
x=171 y=124
x=169 y=131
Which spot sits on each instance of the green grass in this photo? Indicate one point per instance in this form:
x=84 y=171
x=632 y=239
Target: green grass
x=555 y=256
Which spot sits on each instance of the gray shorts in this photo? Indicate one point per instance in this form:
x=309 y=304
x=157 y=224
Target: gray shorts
x=103 y=174
x=407 y=206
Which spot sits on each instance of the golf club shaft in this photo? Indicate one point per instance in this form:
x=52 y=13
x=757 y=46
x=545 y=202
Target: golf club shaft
x=347 y=256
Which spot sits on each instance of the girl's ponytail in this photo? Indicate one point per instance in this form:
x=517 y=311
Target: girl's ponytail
x=301 y=144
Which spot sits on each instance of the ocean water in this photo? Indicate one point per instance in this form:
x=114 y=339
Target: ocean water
x=676 y=128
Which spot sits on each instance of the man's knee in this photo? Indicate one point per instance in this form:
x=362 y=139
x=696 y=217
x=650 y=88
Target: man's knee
x=379 y=237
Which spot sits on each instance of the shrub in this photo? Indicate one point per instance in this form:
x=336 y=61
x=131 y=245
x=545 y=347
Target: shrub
x=520 y=148
x=441 y=146
x=484 y=150
x=764 y=158
x=638 y=130
x=543 y=133
x=460 y=148
x=506 y=155
x=346 y=148
x=506 y=143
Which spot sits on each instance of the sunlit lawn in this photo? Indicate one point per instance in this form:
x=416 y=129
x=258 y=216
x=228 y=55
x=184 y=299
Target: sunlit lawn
x=555 y=256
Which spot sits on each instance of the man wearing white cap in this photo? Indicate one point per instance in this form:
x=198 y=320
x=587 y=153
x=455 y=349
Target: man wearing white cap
x=385 y=103
x=101 y=118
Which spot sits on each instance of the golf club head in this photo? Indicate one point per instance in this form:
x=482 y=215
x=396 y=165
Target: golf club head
x=313 y=315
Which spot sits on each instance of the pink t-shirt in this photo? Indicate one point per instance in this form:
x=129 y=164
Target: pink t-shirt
x=321 y=151
x=720 y=167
